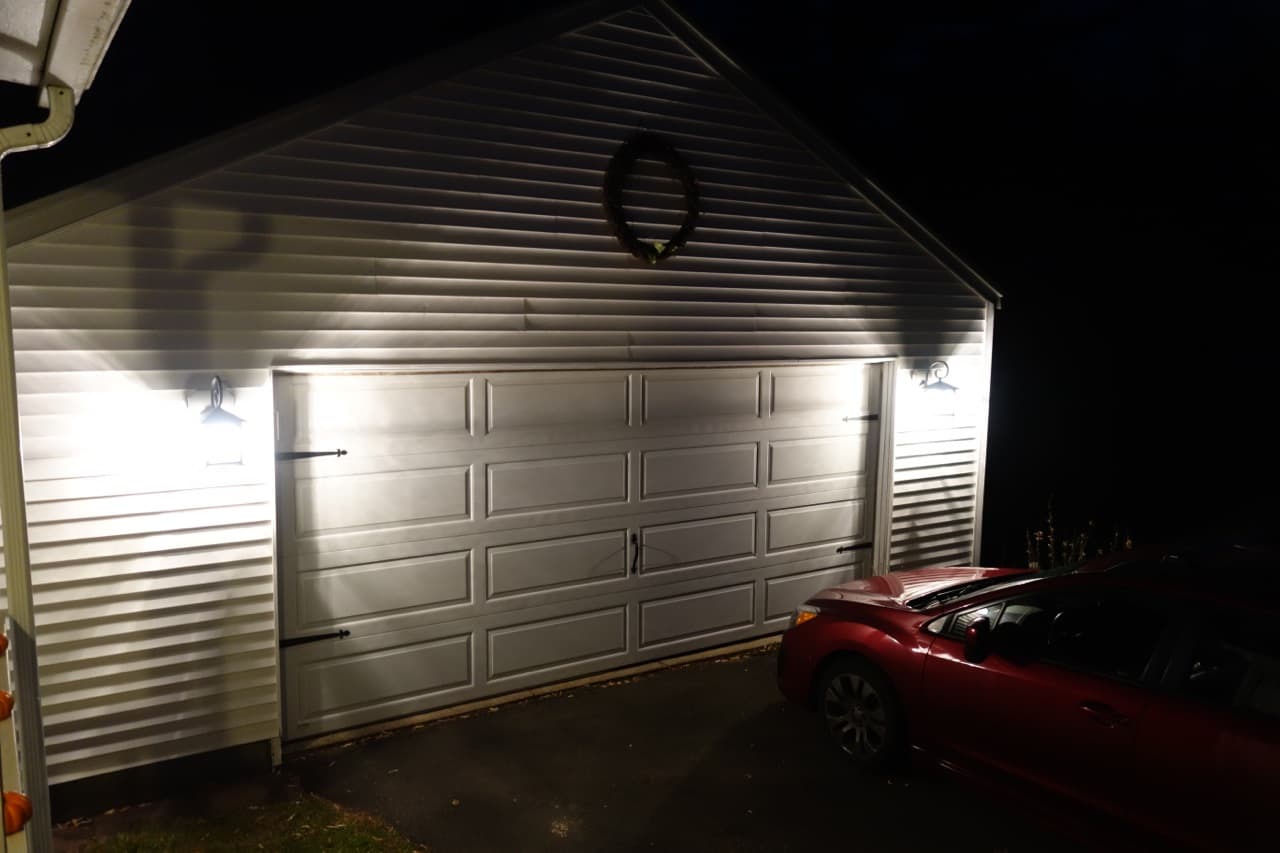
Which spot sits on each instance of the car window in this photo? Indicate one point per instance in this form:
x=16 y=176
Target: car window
x=1235 y=662
x=1115 y=636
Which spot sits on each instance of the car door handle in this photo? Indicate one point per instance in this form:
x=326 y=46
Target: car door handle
x=1103 y=714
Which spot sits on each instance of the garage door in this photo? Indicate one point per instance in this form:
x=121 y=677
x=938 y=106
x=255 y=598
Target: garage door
x=489 y=531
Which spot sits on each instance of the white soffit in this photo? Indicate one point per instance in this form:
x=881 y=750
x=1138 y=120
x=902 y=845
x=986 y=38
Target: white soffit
x=56 y=42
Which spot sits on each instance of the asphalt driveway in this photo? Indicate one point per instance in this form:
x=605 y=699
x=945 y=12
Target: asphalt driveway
x=704 y=757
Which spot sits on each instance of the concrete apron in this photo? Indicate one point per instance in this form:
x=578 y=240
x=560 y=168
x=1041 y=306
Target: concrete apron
x=701 y=756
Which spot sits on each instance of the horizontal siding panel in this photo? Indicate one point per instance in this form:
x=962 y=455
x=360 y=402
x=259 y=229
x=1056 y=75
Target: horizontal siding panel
x=357 y=322
x=228 y=287
x=424 y=224
x=103 y=588
x=151 y=622
x=78 y=766
x=153 y=665
x=191 y=600
x=142 y=564
x=169 y=727
x=118 y=721
x=84 y=700
x=155 y=542
x=92 y=654
x=323 y=237
x=642 y=31
x=338 y=340
x=616 y=42
x=930 y=511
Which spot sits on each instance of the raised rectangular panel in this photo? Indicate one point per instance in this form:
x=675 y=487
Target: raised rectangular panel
x=810 y=525
x=555 y=642
x=563 y=402
x=851 y=391
x=358 y=591
x=690 y=470
x=782 y=595
x=691 y=542
x=553 y=563
x=378 y=676
x=682 y=397
x=549 y=483
x=393 y=497
x=688 y=616
x=817 y=458
x=355 y=404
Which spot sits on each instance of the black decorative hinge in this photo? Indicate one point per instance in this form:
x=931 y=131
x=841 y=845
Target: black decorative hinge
x=290 y=455
x=341 y=633
x=843 y=549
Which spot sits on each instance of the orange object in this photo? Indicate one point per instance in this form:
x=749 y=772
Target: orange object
x=17 y=811
x=6 y=704
x=4 y=644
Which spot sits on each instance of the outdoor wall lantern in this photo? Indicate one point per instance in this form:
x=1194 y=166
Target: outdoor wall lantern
x=221 y=431
x=934 y=376
x=940 y=395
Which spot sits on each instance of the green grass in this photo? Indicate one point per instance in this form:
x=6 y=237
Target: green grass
x=302 y=824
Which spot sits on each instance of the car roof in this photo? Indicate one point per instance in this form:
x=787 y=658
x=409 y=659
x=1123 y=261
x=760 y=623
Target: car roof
x=1225 y=573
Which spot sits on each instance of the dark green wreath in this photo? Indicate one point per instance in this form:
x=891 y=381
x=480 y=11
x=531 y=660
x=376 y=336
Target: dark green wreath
x=647 y=145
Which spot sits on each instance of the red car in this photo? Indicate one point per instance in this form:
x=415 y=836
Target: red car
x=1146 y=685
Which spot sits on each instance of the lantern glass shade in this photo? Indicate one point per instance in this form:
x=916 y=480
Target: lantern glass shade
x=222 y=433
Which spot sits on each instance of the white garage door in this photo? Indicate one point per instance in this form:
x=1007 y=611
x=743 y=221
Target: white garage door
x=493 y=530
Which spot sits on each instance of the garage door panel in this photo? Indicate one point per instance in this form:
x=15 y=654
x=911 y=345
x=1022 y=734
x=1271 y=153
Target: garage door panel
x=845 y=391
x=581 y=403
x=698 y=470
x=329 y=596
x=392 y=498
x=698 y=615
x=701 y=395
x=549 y=565
x=373 y=678
x=783 y=594
x=560 y=483
x=553 y=643
x=691 y=544
x=808 y=459
x=802 y=526
x=421 y=405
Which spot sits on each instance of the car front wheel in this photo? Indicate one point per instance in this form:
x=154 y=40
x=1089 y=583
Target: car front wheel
x=861 y=713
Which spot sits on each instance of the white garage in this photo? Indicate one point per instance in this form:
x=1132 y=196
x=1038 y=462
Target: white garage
x=624 y=360
x=490 y=530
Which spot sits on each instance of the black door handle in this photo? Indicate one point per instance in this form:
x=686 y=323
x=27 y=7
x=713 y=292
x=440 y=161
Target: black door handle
x=1103 y=714
x=635 y=554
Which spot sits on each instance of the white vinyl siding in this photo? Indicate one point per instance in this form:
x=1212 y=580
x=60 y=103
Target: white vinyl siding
x=936 y=464
x=461 y=223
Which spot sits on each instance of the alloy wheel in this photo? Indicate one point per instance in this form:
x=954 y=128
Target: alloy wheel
x=856 y=715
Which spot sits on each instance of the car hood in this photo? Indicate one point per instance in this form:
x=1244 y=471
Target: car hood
x=897 y=588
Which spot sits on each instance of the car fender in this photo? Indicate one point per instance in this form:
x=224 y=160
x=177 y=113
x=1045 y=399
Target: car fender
x=898 y=654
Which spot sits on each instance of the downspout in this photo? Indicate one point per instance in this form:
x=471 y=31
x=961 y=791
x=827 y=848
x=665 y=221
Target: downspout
x=21 y=625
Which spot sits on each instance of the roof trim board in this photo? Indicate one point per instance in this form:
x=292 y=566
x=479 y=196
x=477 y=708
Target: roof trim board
x=79 y=202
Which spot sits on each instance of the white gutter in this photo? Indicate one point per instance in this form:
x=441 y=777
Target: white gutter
x=56 y=42
x=21 y=624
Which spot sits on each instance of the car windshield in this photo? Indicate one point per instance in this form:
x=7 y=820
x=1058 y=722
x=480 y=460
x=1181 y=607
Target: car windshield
x=963 y=590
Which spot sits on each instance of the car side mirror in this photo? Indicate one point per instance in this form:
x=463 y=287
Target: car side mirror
x=1014 y=641
x=977 y=639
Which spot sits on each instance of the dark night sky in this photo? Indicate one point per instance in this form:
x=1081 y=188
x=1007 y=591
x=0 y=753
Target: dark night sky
x=1108 y=164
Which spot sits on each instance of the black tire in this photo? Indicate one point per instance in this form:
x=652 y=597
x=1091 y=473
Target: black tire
x=861 y=714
